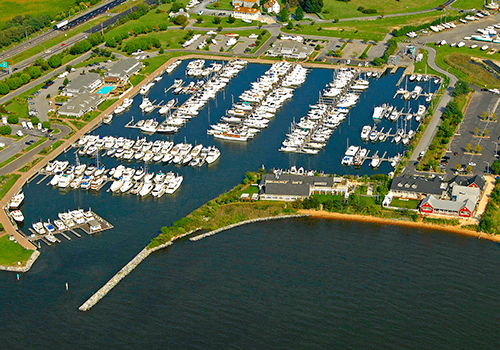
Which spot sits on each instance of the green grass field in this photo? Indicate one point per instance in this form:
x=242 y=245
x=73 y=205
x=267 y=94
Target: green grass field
x=333 y=9
x=222 y=5
x=12 y=8
x=366 y=30
x=468 y=4
x=457 y=61
x=11 y=253
x=409 y=204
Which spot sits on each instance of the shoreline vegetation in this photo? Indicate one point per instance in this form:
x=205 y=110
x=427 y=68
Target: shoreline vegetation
x=229 y=210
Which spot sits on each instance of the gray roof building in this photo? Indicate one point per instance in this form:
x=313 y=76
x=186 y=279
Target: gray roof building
x=474 y=181
x=290 y=49
x=84 y=83
x=414 y=186
x=289 y=187
x=124 y=68
x=79 y=105
x=463 y=206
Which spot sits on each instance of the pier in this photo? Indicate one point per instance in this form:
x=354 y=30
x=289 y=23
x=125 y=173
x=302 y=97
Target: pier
x=93 y=224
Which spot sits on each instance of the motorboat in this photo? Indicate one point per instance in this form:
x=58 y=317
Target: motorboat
x=38 y=227
x=365 y=132
x=16 y=201
x=49 y=227
x=17 y=215
x=146 y=189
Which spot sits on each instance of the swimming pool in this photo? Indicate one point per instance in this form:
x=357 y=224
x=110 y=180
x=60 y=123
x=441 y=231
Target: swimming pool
x=105 y=90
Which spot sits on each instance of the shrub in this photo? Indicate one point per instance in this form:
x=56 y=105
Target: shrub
x=5 y=130
x=45 y=125
x=13 y=119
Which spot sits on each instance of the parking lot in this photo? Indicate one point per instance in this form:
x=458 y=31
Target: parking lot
x=243 y=43
x=351 y=51
x=481 y=101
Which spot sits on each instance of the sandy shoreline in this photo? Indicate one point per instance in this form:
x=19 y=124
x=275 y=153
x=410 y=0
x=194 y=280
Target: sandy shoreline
x=363 y=218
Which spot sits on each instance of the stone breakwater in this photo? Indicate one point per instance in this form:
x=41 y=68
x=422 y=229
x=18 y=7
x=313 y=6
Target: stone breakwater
x=228 y=227
x=24 y=268
x=132 y=264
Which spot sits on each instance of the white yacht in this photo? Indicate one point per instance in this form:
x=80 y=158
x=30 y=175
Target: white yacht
x=17 y=215
x=16 y=201
x=365 y=132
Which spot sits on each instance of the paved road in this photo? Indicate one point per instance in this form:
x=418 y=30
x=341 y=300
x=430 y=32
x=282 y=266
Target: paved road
x=438 y=111
x=39 y=39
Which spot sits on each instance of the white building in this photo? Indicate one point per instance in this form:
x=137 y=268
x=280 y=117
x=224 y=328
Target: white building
x=246 y=13
x=272 y=6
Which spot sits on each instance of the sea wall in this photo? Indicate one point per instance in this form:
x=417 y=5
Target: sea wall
x=228 y=227
x=132 y=264
x=24 y=268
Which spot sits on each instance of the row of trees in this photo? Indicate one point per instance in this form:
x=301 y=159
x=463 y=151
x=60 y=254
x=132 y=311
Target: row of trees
x=143 y=43
x=308 y=6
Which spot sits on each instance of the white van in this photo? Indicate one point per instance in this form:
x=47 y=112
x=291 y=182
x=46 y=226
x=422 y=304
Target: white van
x=19 y=133
x=23 y=124
x=39 y=126
x=30 y=125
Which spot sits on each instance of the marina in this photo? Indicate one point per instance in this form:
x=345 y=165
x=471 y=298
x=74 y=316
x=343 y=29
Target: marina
x=86 y=221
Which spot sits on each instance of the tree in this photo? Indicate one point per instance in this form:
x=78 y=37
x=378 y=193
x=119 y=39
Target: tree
x=161 y=50
x=12 y=119
x=468 y=169
x=485 y=132
x=66 y=81
x=484 y=116
x=4 y=89
x=231 y=19
x=461 y=88
x=495 y=167
x=181 y=20
x=312 y=6
x=478 y=149
x=283 y=15
x=468 y=148
x=289 y=26
x=46 y=125
x=216 y=20
x=299 y=13
x=476 y=130
x=458 y=167
x=55 y=61
x=35 y=120
x=68 y=68
x=493 y=117
x=5 y=130
x=199 y=19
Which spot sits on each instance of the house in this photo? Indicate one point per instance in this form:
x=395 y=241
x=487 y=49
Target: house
x=79 y=105
x=289 y=49
x=123 y=69
x=246 y=13
x=272 y=6
x=418 y=187
x=84 y=83
x=246 y=3
x=288 y=187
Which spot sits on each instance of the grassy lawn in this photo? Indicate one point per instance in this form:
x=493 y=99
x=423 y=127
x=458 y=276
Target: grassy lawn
x=136 y=79
x=409 y=204
x=11 y=253
x=222 y=5
x=208 y=22
x=458 y=61
x=12 y=8
x=6 y=182
x=366 y=30
x=105 y=104
x=333 y=9
x=78 y=124
x=468 y=4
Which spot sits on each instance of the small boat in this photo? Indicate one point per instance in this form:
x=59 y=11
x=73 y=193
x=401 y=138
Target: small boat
x=49 y=227
x=17 y=200
x=38 y=227
x=17 y=215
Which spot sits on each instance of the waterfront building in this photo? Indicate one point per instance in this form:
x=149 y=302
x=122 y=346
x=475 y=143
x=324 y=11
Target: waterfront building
x=462 y=203
x=287 y=187
x=122 y=70
x=79 y=105
x=84 y=83
x=289 y=49
x=418 y=187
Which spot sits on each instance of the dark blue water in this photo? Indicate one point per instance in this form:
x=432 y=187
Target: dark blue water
x=289 y=284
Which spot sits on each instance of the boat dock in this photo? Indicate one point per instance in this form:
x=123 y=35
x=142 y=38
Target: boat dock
x=93 y=224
